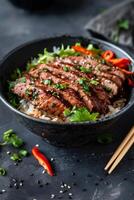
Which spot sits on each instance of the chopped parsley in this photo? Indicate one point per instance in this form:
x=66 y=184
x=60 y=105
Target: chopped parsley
x=9 y=137
x=15 y=157
x=2 y=171
x=66 y=69
x=80 y=115
x=61 y=86
x=47 y=82
x=23 y=152
x=84 y=84
x=94 y=82
x=85 y=70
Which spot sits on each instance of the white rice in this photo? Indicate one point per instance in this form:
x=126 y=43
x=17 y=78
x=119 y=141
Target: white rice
x=29 y=109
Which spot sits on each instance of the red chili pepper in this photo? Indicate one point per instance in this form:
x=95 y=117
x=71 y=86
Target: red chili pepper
x=120 y=62
x=82 y=50
x=130 y=83
x=108 y=55
x=43 y=160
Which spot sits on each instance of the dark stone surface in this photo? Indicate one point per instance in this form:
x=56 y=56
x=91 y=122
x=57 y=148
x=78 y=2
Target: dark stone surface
x=16 y=27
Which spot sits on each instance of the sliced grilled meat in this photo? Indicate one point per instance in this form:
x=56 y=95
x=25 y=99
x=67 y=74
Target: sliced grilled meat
x=80 y=81
x=41 y=99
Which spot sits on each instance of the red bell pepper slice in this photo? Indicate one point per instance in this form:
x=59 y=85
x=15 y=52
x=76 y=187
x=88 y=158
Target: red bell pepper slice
x=83 y=50
x=43 y=161
x=121 y=62
x=108 y=55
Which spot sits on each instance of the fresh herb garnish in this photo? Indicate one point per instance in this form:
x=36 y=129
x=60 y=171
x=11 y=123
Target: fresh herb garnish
x=23 y=152
x=49 y=56
x=23 y=80
x=123 y=24
x=2 y=171
x=105 y=138
x=9 y=137
x=15 y=157
x=80 y=115
x=85 y=70
x=84 y=84
x=107 y=89
x=61 y=86
x=94 y=82
x=65 y=51
x=67 y=112
x=28 y=92
x=66 y=69
x=47 y=82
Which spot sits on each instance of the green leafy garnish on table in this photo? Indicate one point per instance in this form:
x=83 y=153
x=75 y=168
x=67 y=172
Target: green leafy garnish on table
x=9 y=137
x=18 y=156
x=2 y=171
x=80 y=115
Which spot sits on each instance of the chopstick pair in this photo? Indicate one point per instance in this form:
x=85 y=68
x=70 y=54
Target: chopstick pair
x=120 y=151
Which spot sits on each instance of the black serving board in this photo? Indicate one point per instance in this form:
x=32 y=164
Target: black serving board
x=80 y=168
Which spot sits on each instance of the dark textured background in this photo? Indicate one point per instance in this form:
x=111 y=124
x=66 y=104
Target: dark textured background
x=16 y=27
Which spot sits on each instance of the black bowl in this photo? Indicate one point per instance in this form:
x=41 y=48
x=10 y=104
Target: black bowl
x=67 y=134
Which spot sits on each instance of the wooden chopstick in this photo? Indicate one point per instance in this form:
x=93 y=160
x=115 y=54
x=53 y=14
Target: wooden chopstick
x=121 y=151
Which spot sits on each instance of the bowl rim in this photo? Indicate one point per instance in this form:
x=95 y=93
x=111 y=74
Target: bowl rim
x=49 y=122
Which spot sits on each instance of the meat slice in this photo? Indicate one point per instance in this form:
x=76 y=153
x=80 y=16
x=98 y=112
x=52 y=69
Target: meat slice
x=57 y=75
x=93 y=88
x=40 y=98
x=68 y=94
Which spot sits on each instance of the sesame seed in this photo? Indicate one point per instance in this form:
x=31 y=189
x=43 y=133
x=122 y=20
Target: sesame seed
x=62 y=186
x=69 y=187
x=8 y=152
x=3 y=191
x=43 y=172
x=61 y=191
x=21 y=184
x=70 y=194
x=52 y=159
x=52 y=196
x=65 y=185
x=37 y=145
